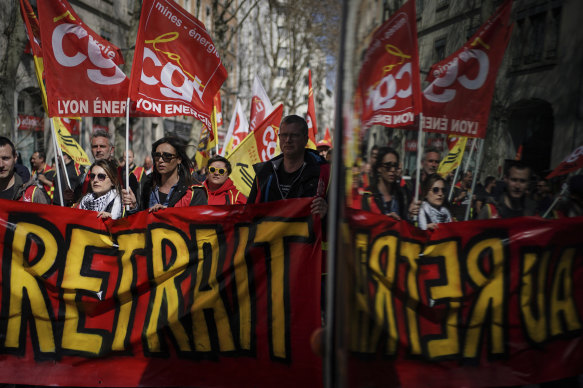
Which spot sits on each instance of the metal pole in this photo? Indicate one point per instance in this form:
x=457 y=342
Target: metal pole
x=56 y=146
x=479 y=162
x=457 y=172
x=467 y=166
x=333 y=336
x=419 y=153
x=127 y=177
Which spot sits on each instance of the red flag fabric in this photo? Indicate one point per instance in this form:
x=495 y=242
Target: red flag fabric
x=518 y=155
x=573 y=162
x=311 y=119
x=389 y=77
x=218 y=110
x=266 y=134
x=176 y=68
x=327 y=141
x=81 y=68
x=32 y=27
x=260 y=105
x=458 y=99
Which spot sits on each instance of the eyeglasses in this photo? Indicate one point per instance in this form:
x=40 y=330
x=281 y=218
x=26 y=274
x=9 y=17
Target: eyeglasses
x=101 y=177
x=436 y=190
x=221 y=171
x=390 y=165
x=291 y=136
x=166 y=156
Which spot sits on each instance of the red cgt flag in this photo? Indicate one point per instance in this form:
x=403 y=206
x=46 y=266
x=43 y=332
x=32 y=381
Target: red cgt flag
x=176 y=68
x=81 y=68
x=266 y=134
x=260 y=105
x=312 y=125
x=573 y=162
x=458 y=99
x=389 y=77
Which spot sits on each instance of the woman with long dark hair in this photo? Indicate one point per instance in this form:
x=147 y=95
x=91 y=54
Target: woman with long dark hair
x=384 y=195
x=433 y=211
x=104 y=196
x=170 y=183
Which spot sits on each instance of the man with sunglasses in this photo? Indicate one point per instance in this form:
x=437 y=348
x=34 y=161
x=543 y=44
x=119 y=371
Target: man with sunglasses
x=297 y=173
x=514 y=201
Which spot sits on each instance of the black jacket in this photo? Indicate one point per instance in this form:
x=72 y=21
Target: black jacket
x=199 y=196
x=313 y=179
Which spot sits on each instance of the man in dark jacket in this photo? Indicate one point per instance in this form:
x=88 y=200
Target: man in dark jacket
x=298 y=172
x=11 y=185
x=513 y=202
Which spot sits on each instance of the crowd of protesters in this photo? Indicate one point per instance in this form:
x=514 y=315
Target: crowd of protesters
x=169 y=178
x=379 y=187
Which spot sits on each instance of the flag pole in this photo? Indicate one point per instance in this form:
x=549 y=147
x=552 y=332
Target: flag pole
x=478 y=163
x=467 y=166
x=419 y=153
x=563 y=192
x=60 y=151
x=457 y=170
x=127 y=163
x=56 y=146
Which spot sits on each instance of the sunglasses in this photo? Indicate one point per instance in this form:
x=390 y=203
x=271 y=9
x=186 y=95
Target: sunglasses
x=101 y=177
x=436 y=190
x=390 y=165
x=166 y=156
x=221 y=171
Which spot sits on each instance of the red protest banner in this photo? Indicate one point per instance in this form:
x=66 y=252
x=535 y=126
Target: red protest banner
x=573 y=162
x=459 y=96
x=473 y=304
x=81 y=68
x=167 y=79
x=173 y=298
x=389 y=77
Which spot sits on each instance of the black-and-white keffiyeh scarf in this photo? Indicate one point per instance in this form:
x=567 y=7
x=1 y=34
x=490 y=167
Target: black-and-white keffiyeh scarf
x=432 y=215
x=101 y=203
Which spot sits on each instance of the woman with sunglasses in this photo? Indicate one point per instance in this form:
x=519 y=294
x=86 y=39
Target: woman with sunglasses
x=104 y=191
x=220 y=188
x=432 y=210
x=170 y=183
x=385 y=195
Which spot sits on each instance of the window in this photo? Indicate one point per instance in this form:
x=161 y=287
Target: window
x=281 y=72
x=386 y=10
x=553 y=33
x=475 y=23
x=441 y=5
x=105 y=34
x=21 y=105
x=439 y=50
x=536 y=38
